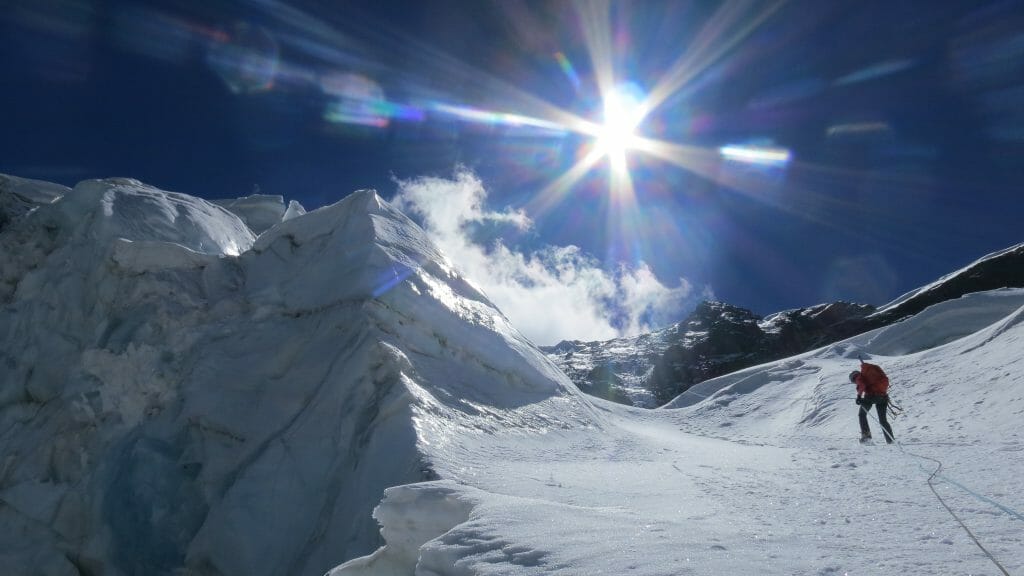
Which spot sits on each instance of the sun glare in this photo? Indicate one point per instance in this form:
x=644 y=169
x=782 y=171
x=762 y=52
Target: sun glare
x=617 y=132
x=622 y=115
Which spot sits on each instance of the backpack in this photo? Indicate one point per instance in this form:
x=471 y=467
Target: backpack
x=876 y=383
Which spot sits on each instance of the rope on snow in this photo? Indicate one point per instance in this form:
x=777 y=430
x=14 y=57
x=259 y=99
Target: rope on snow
x=963 y=525
x=931 y=485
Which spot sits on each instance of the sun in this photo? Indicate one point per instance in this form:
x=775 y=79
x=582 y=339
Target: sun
x=623 y=112
x=616 y=130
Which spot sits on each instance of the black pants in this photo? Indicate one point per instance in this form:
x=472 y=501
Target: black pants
x=881 y=404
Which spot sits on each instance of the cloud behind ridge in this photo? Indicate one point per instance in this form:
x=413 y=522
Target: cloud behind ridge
x=550 y=293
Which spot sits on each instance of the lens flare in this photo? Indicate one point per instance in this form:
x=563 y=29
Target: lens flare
x=568 y=69
x=248 y=58
x=493 y=118
x=858 y=129
x=875 y=71
x=247 y=62
x=761 y=155
x=358 y=100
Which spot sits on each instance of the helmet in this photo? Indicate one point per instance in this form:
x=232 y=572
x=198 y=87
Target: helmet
x=854 y=375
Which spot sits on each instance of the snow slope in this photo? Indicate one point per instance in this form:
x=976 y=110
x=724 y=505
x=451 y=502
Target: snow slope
x=179 y=395
x=753 y=473
x=1004 y=268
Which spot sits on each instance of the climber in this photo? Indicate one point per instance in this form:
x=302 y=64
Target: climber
x=872 y=390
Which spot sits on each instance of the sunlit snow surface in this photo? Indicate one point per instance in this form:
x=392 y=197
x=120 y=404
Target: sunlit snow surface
x=180 y=396
x=759 y=473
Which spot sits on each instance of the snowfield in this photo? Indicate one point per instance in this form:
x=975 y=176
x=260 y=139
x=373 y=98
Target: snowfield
x=762 y=475
x=183 y=396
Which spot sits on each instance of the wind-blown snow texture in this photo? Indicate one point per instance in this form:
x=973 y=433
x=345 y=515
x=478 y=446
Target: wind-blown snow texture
x=179 y=396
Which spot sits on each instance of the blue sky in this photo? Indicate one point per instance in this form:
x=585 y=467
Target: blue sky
x=784 y=154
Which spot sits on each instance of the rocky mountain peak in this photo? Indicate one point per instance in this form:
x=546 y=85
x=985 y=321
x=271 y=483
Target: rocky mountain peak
x=717 y=337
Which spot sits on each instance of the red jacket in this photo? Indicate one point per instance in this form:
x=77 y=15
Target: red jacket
x=871 y=381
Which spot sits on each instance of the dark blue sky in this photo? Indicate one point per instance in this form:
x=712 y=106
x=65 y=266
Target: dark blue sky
x=904 y=122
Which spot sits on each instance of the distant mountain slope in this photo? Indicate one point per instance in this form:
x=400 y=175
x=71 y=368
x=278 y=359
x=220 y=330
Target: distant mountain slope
x=718 y=338
x=715 y=339
x=1002 y=269
x=178 y=395
x=616 y=370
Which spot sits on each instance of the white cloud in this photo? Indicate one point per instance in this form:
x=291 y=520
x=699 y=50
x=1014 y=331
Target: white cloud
x=550 y=294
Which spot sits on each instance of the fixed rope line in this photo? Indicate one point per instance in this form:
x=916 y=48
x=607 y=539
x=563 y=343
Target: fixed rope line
x=981 y=497
x=953 y=514
x=945 y=478
x=931 y=485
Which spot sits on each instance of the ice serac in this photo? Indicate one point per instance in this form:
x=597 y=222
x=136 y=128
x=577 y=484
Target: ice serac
x=91 y=352
x=178 y=395
x=260 y=212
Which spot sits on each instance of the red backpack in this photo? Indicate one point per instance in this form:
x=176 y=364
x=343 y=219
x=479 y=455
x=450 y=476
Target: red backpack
x=876 y=383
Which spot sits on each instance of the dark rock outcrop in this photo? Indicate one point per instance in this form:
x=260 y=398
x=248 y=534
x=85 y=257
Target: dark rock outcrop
x=719 y=338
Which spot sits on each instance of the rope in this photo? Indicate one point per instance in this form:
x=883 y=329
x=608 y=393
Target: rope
x=986 y=499
x=931 y=485
x=952 y=513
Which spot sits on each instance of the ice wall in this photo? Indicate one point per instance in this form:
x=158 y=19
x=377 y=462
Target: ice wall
x=180 y=395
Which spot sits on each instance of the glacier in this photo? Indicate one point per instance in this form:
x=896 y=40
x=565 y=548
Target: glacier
x=754 y=472
x=180 y=394
x=187 y=392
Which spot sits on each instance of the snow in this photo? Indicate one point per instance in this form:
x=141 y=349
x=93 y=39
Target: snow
x=764 y=475
x=223 y=404
x=103 y=210
x=966 y=270
x=33 y=191
x=18 y=196
x=181 y=396
x=260 y=212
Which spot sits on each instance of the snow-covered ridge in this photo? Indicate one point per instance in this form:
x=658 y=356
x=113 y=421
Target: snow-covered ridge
x=217 y=403
x=939 y=325
x=999 y=269
x=130 y=210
